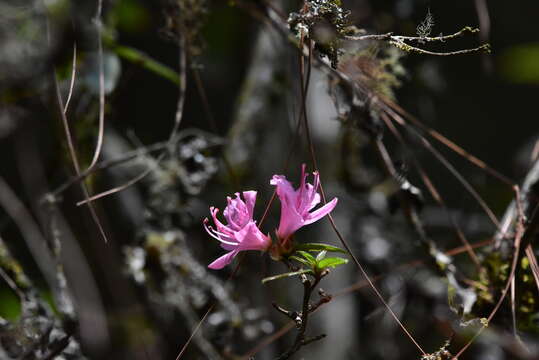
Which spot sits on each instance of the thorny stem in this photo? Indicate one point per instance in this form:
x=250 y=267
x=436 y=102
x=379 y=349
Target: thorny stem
x=302 y=318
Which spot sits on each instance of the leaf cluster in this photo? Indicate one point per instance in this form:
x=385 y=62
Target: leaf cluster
x=317 y=265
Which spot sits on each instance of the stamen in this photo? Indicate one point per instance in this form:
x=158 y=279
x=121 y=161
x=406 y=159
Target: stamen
x=217 y=235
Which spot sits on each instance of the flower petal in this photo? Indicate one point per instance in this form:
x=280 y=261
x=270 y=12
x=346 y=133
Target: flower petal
x=250 y=199
x=320 y=213
x=223 y=261
x=284 y=189
x=290 y=222
x=291 y=219
x=251 y=238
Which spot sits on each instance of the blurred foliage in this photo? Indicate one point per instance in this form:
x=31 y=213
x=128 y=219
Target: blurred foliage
x=520 y=64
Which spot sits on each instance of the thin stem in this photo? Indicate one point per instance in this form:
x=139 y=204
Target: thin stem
x=303 y=319
x=332 y=222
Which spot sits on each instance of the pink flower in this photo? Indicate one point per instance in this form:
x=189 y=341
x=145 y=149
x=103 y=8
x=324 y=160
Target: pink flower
x=241 y=232
x=297 y=204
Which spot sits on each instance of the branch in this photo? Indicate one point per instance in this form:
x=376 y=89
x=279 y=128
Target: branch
x=413 y=49
x=400 y=42
x=302 y=318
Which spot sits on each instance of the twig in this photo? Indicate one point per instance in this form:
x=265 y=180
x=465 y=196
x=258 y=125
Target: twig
x=399 y=41
x=464 y=31
x=414 y=49
x=303 y=318
x=105 y=164
x=12 y=284
x=292 y=315
x=116 y=189
x=128 y=156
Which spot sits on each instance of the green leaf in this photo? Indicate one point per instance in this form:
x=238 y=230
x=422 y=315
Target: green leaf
x=331 y=262
x=139 y=58
x=321 y=255
x=285 y=275
x=301 y=260
x=308 y=257
x=319 y=247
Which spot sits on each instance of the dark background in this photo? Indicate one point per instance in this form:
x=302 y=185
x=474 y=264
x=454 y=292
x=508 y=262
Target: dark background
x=486 y=103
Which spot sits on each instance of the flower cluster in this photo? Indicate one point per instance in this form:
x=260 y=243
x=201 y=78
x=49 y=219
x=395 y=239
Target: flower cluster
x=241 y=231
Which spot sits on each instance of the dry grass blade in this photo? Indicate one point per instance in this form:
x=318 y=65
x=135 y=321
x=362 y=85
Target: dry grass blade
x=12 y=285
x=177 y=121
x=116 y=189
x=469 y=188
x=533 y=264
x=73 y=75
x=435 y=194
x=405 y=117
x=101 y=130
x=73 y=154
x=194 y=332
